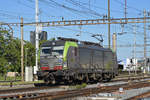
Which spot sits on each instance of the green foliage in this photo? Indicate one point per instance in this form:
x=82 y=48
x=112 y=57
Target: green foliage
x=4 y=50
x=29 y=54
x=52 y=39
x=4 y=78
x=79 y=86
x=41 y=42
x=10 y=53
x=13 y=55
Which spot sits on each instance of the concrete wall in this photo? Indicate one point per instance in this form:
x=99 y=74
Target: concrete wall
x=28 y=73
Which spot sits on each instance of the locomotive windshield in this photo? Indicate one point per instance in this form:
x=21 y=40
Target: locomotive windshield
x=46 y=50
x=56 y=50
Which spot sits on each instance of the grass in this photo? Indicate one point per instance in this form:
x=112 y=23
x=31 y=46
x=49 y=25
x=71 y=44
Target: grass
x=15 y=81
x=19 y=83
x=79 y=86
x=3 y=78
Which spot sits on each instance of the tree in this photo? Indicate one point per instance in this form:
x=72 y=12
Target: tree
x=4 y=41
x=29 y=51
x=10 y=53
x=13 y=55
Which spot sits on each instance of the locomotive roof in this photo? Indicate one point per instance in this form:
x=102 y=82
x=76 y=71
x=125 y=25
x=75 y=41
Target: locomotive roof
x=95 y=47
x=53 y=42
x=83 y=44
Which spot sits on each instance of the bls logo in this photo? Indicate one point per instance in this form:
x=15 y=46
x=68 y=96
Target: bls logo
x=60 y=60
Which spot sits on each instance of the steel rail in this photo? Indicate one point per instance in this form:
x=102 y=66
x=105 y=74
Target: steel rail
x=76 y=93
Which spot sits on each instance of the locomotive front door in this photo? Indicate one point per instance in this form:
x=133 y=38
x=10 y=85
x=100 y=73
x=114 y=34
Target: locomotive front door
x=72 y=57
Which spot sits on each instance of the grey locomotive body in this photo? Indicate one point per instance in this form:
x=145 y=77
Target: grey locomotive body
x=67 y=60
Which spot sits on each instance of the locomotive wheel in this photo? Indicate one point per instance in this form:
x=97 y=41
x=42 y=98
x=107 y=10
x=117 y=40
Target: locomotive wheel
x=99 y=77
x=87 y=78
x=107 y=77
x=50 y=79
x=70 y=81
x=46 y=81
x=66 y=80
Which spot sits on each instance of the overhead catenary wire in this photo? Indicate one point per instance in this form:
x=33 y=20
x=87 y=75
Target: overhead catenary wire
x=73 y=9
x=29 y=6
x=98 y=7
x=16 y=13
x=49 y=4
x=84 y=7
x=128 y=6
x=24 y=4
x=10 y=16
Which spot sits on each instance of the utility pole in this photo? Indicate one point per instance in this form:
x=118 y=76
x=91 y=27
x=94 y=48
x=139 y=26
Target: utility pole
x=22 y=53
x=109 y=23
x=134 y=50
x=145 y=39
x=114 y=38
x=37 y=35
x=125 y=9
x=145 y=33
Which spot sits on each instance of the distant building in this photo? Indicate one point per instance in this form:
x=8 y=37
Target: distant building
x=42 y=36
x=129 y=64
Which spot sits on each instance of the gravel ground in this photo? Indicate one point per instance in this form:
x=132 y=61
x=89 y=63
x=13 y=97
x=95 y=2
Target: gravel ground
x=62 y=88
x=2 y=87
x=126 y=94
x=39 y=91
x=131 y=93
x=113 y=83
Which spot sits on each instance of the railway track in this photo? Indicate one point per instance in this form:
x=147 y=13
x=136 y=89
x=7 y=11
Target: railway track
x=43 y=86
x=27 y=89
x=87 y=92
x=130 y=78
x=74 y=93
x=141 y=96
x=25 y=94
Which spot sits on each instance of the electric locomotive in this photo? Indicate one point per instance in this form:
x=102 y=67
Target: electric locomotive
x=71 y=61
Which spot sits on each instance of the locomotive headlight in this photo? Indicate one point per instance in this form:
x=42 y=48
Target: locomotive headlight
x=60 y=56
x=53 y=43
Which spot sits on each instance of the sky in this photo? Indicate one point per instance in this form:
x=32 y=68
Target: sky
x=56 y=10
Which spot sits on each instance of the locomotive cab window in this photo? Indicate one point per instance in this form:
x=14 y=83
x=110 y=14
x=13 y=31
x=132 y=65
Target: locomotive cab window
x=57 y=50
x=46 y=50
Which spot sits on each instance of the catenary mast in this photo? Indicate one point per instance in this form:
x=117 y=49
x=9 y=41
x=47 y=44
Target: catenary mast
x=37 y=35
